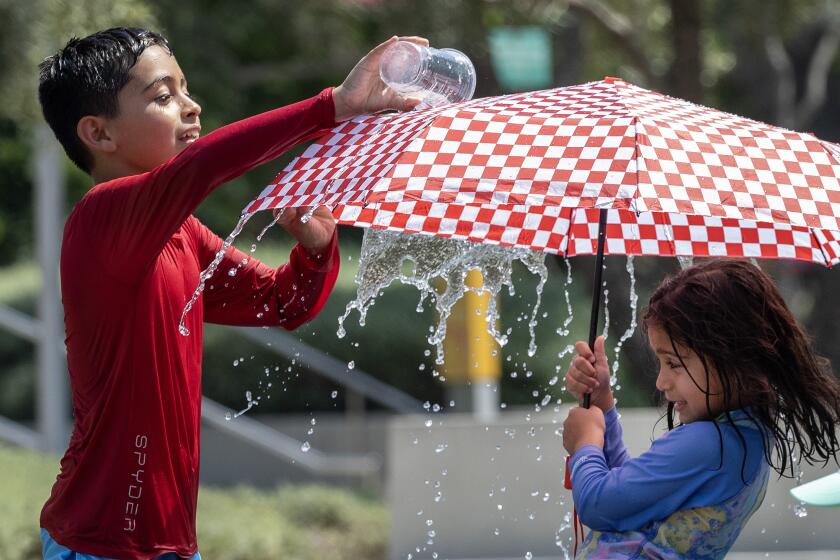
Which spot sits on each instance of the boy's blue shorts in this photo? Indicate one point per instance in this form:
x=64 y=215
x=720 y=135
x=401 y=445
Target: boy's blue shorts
x=54 y=551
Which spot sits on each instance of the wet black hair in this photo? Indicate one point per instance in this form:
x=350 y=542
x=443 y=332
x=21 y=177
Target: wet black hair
x=731 y=314
x=85 y=77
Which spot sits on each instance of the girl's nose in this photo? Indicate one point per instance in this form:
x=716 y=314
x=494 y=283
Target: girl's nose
x=662 y=382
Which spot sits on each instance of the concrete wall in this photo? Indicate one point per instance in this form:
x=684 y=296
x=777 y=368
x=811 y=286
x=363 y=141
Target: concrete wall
x=227 y=461
x=467 y=490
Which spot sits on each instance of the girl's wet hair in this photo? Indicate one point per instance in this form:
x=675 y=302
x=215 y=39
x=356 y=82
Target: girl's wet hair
x=85 y=77
x=731 y=314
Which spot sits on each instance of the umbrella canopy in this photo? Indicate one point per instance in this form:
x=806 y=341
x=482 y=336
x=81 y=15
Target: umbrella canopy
x=532 y=170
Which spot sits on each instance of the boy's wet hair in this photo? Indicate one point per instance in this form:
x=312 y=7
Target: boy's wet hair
x=85 y=77
x=731 y=314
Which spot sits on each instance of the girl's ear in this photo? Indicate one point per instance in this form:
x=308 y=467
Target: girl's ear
x=93 y=132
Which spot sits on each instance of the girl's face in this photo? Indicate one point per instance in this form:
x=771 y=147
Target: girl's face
x=685 y=388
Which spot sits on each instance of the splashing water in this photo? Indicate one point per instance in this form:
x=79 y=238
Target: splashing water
x=564 y=329
x=535 y=266
x=308 y=215
x=208 y=272
x=605 y=333
x=385 y=255
x=634 y=300
x=685 y=262
x=251 y=404
x=276 y=219
x=799 y=510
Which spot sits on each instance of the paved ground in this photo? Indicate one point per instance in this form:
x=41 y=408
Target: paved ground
x=778 y=555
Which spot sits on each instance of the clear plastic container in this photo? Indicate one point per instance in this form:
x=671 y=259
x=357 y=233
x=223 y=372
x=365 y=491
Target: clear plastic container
x=437 y=76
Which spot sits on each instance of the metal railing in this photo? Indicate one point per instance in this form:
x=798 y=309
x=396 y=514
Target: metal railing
x=244 y=428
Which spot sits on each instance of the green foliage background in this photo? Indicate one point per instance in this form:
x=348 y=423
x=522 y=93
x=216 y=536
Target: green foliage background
x=303 y=522
x=241 y=60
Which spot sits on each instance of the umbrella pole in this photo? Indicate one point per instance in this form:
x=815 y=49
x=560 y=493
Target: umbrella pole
x=596 y=286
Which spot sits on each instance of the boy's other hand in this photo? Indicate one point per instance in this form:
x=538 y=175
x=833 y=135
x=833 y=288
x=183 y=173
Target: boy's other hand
x=584 y=426
x=314 y=235
x=363 y=91
x=590 y=373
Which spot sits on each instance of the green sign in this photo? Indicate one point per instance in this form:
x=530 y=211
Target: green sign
x=522 y=57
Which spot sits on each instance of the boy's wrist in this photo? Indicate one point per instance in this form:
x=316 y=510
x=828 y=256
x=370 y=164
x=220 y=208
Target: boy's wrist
x=343 y=111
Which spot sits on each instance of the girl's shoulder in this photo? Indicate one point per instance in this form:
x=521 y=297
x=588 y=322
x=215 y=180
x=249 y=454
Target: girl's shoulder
x=726 y=443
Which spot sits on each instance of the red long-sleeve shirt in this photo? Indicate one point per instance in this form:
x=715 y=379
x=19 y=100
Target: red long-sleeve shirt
x=130 y=260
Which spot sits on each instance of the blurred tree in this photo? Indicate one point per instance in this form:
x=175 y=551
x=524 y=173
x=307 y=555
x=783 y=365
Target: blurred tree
x=773 y=60
x=29 y=32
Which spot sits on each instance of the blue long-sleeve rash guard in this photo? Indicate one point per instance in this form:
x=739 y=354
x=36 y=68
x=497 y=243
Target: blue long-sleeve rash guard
x=683 y=469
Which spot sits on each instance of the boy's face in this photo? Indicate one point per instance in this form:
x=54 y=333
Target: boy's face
x=156 y=117
x=687 y=389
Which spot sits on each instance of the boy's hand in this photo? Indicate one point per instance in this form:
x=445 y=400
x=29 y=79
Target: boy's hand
x=363 y=91
x=590 y=373
x=584 y=426
x=314 y=235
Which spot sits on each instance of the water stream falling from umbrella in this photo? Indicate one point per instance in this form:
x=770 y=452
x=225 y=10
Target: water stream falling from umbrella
x=386 y=256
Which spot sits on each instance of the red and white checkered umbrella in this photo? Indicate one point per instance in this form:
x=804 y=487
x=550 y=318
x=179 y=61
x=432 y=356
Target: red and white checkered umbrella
x=532 y=170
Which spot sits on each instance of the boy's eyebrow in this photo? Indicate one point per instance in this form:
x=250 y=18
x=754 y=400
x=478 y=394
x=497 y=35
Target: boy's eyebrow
x=164 y=78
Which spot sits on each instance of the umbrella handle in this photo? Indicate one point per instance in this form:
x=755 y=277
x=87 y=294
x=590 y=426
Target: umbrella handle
x=596 y=287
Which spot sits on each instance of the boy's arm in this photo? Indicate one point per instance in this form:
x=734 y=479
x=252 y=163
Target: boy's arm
x=681 y=470
x=258 y=295
x=140 y=213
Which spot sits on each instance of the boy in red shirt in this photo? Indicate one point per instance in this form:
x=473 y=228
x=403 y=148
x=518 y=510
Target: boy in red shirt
x=131 y=257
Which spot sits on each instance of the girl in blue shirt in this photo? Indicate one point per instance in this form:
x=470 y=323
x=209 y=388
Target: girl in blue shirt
x=738 y=370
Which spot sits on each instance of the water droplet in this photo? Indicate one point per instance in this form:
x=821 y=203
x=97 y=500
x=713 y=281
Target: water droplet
x=528 y=556
x=228 y=416
x=308 y=215
x=232 y=272
x=441 y=448
x=351 y=364
x=428 y=423
x=799 y=510
x=334 y=394
x=305 y=447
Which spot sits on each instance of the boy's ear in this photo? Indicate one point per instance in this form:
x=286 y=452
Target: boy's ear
x=93 y=132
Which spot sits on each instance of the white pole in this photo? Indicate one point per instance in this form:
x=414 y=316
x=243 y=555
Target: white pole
x=485 y=397
x=52 y=410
